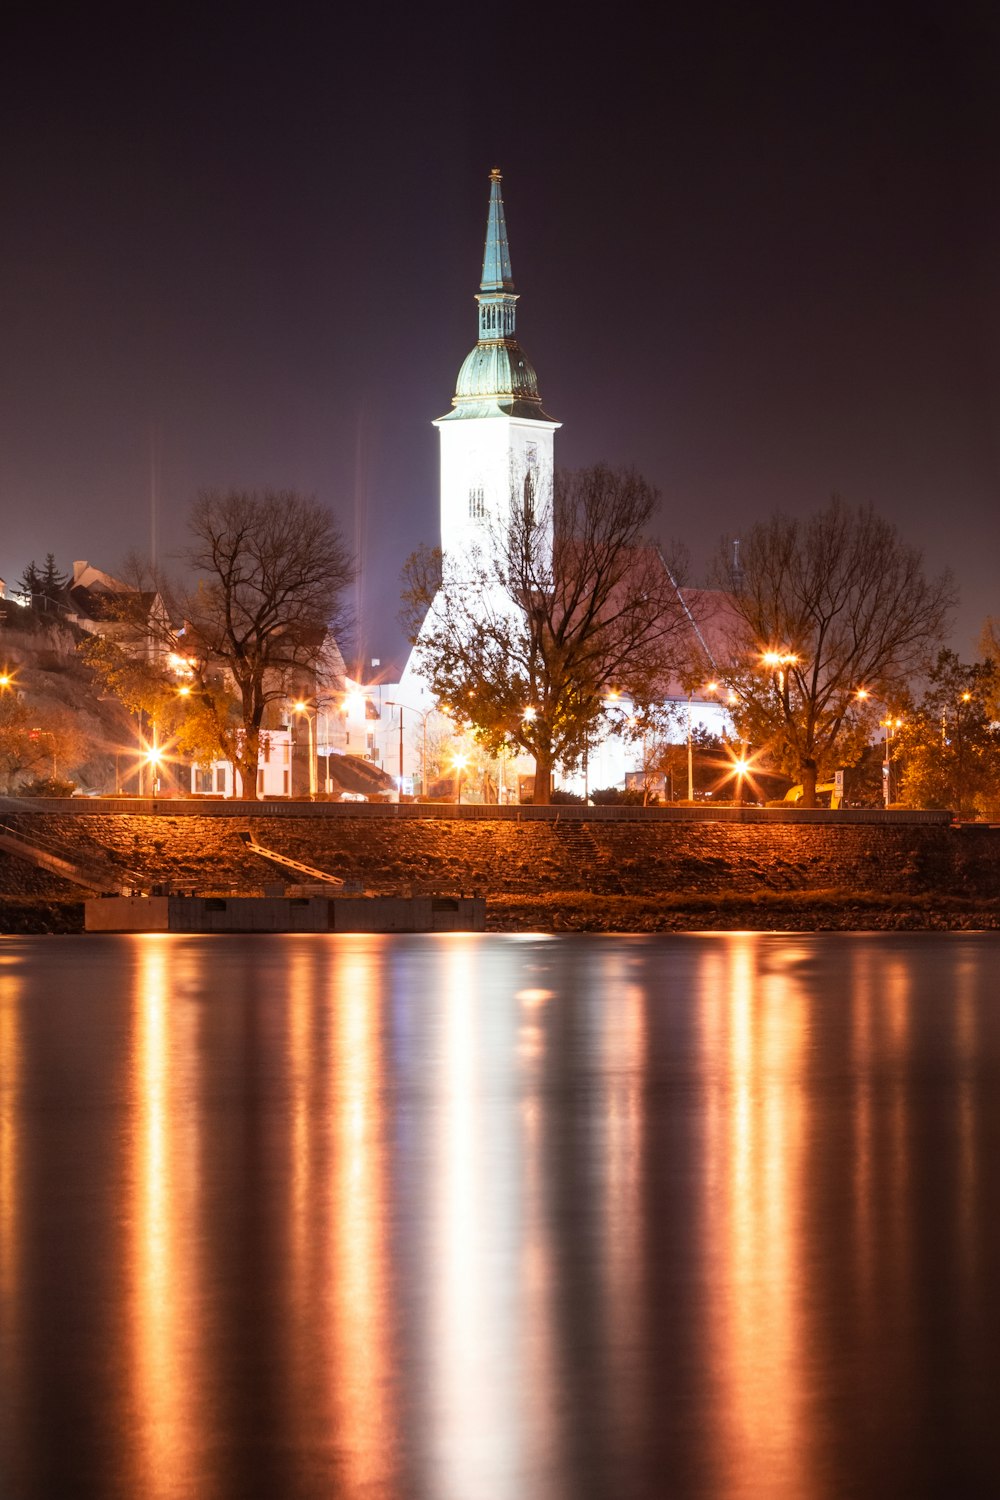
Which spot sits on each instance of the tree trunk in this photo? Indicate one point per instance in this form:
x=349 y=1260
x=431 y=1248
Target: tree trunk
x=808 y=774
x=542 y=794
x=249 y=756
x=248 y=763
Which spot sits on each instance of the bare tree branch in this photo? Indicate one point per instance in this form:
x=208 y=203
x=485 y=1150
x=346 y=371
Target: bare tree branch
x=839 y=603
x=564 y=599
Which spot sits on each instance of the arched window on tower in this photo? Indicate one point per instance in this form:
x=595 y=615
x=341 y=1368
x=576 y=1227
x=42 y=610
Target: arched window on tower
x=529 y=498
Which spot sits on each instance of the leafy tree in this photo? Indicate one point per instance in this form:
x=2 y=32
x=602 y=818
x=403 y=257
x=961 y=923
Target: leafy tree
x=196 y=721
x=949 y=742
x=989 y=645
x=819 y=609
x=34 y=741
x=563 y=600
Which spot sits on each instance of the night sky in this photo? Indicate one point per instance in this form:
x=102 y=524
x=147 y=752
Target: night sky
x=757 y=248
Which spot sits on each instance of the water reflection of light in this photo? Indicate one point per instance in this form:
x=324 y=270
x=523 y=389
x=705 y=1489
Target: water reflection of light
x=301 y=1016
x=896 y=976
x=474 y=1352
x=753 y=1222
x=862 y=1056
x=10 y=1083
x=162 y=1182
x=357 y=1290
x=623 y=1013
x=536 y=1331
x=967 y=1186
x=533 y=997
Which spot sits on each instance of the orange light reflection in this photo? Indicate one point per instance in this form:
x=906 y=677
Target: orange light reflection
x=162 y=1186
x=753 y=1208
x=10 y=1258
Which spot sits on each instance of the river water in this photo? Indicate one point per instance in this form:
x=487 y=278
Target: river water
x=500 y=1218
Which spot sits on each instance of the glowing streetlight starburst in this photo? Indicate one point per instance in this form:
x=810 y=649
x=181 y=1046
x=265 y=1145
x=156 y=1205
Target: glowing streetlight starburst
x=739 y=768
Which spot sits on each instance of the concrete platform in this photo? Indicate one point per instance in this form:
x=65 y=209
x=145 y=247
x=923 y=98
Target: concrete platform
x=285 y=914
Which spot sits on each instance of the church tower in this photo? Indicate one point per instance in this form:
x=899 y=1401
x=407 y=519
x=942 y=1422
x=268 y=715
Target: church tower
x=496 y=442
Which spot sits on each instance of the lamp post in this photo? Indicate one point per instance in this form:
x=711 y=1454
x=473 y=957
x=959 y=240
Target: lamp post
x=710 y=687
x=888 y=724
x=301 y=707
x=394 y=703
x=422 y=714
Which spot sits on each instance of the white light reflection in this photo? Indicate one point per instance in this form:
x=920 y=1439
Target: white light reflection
x=475 y=1423
x=538 y=1336
x=357 y=1284
x=622 y=1018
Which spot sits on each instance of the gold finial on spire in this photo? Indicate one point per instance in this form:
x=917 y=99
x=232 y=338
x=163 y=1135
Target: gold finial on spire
x=495 y=175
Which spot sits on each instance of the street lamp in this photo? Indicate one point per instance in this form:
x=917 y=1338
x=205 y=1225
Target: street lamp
x=460 y=762
x=152 y=758
x=888 y=724
x=301 y=707
x=779 y=662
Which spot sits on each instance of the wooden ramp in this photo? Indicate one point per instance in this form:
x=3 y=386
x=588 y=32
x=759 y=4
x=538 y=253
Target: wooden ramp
x=290 y=864
x=46 y=854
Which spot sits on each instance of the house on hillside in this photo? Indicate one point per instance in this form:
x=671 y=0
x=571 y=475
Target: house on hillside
x=101 y=604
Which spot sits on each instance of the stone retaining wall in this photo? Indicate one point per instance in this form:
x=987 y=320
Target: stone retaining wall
x=496 y=856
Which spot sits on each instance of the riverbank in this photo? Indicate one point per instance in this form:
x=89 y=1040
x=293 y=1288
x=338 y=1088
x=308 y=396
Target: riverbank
x=539 y=869
x=581 y=911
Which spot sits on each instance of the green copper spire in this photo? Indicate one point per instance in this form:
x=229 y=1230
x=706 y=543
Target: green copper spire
x=496 y=378
x=497 y=275
x=497 y=298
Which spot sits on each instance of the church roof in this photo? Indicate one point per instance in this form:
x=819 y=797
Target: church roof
x=496 y=378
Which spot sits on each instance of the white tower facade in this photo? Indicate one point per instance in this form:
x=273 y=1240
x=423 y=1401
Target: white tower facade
x=497 y=441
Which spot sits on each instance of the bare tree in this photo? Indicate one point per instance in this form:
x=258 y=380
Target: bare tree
x=562 y=600
x=257 y=626
x=821 y=609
